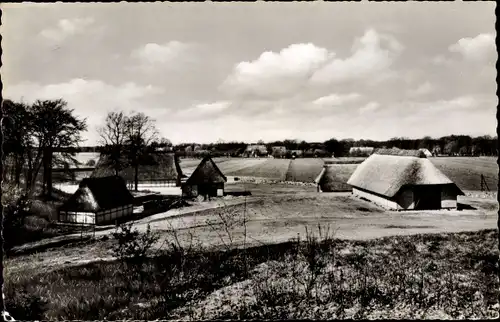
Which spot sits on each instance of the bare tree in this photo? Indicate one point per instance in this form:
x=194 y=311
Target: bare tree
x=113 y=136
x=141 y=132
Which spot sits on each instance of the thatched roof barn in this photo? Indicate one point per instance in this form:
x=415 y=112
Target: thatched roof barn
x=403 y=179
x=162 y=168
x=329 y=180
x=97 y=201
x=206 y=180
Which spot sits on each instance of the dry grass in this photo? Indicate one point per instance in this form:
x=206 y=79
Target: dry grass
x=412 y=277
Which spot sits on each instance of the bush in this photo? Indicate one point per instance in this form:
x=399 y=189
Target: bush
x=132 y=245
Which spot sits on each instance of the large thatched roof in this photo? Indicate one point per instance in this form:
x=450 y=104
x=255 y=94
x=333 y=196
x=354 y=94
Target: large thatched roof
x=387 y=174
x=206 y=172
x=161 y=166
x=95 y=194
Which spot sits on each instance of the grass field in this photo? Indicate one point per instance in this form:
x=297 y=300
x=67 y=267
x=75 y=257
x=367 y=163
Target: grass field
x=466 y=172
x=275 y=169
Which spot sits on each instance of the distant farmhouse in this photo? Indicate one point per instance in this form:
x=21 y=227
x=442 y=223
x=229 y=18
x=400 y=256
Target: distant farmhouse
x=162 y=169
x=297 y=153
x=255 y=150
x=98 y=201
x=206 y=180
x=361 y=151
x=402 y=180
x=278 y=151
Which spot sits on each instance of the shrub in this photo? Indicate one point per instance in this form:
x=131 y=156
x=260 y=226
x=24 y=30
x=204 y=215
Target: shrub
x=132 y=245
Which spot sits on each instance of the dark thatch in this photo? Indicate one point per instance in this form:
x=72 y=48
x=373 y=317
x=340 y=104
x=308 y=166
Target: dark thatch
x=207 y=172
x=96 y=194
x=329 y=179
x=387 y=174
x=161 y=166
x=400 y=152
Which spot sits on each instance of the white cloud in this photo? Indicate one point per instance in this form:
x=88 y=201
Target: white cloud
x=91 y=99
x=481 y=47
x=372 y=54
x=66 y=28
x=275 y=74
x=336 y=99
x=153 y=53
x=370 y=107
x=422 y=89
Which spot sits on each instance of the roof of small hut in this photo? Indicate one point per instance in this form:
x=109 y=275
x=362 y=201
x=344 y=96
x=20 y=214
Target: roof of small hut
x=206 y=172
x=95 y=194
x=386 y=174
x=161 y=166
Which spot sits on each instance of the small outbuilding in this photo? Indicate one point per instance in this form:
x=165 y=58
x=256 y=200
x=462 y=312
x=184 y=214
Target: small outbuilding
x=98 y=201
x=206 y=180
x=328 y=180
x=402 y=180
x=426 y=152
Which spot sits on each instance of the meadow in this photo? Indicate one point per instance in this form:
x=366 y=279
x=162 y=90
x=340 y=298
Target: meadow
x=464 y=171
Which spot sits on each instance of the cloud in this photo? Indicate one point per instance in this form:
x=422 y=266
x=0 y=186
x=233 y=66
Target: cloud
x=91 y=99
x=153 y=53
x=372 y=54
x=275 y=74
x=66 y=28
x=202 y=111
x=422 y=89
x=370 y=107
x=336 y=99
x=479 y=48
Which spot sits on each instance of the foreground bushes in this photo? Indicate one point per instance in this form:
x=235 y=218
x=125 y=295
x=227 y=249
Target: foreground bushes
x=423 y=276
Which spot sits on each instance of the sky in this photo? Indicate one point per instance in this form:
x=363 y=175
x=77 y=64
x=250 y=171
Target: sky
x=208 y=72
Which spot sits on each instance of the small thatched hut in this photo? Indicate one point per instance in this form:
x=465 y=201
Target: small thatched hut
x=403 y=179
x=328 y=179
x=206 y=180
x=162 y=168
x=98 y=201
x=426 y=152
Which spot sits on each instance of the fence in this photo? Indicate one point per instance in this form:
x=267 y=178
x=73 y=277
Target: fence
x=153 y=182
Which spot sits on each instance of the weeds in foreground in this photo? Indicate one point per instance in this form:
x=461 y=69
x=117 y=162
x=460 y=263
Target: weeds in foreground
x=414 y=277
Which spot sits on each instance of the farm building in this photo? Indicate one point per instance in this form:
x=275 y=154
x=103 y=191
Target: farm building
x=98 y=201
x=162 y=169
x=329 y=181
x=278 y=151
x=426 y=152
x=255 y=150
x=206 y=180
x=403 y=180
x=361 y=151
x=297 y=153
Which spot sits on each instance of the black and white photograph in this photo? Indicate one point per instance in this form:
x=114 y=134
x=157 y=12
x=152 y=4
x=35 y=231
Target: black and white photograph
x=249 y=160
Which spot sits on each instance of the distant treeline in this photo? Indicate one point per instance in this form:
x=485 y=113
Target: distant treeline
x=447 y=145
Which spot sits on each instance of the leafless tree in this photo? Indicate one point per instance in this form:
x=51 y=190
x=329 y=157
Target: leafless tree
x=113 y=136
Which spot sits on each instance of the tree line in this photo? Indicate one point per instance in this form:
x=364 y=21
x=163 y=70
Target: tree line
x=447 y=145
x=32 y=133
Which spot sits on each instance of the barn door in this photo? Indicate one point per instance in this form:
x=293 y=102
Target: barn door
x=427 y=197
